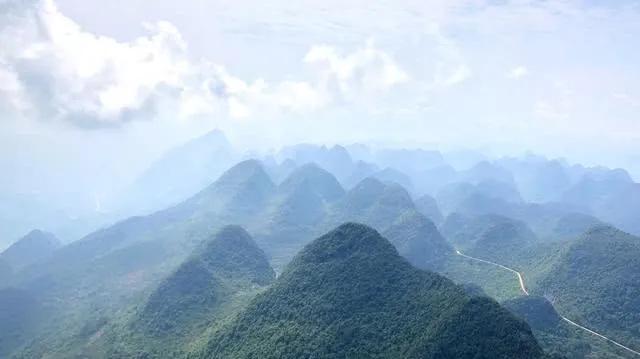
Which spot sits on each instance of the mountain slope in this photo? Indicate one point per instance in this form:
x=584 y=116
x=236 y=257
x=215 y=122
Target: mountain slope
x=417 y=239
x=209 y=286
x=36 y=245
x=322 y=182
x=108 y=270
x=556 y=335
x=490 y=237
x=573 y=225
x=595 y=283
x=190 y=296
x=428 y=206
x=372 y=202
x=349 y=294
x=179 y=173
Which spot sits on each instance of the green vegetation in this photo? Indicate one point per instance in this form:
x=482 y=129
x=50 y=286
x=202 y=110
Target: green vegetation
x=417 y=239
x=349 y=294
x=228 y=263
x=490 y=237
x=557 y=336
x=497 y=283
x=208 y=287
x=595 y=282
x=152 y=286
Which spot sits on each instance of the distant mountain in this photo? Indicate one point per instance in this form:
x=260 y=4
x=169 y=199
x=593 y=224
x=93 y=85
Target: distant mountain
x=595 y=282
x=409 y=161
x=611 y=195
x=432 y=180
x=491 y=237
x=34 y=246
x=494 y=198
x=372 y=202
x=539 y=179
x=593 y=188
x=391 y=175
x=417 y=239
x=349 y=294
x=487 y=196
x=486 y=171
x=360 y=171
x=336 y=159
x=278 y=171
x=179 y=174
x=428 y=206
x=573 y=225
x=237 y=195
x=464 y=159
x=321 y=181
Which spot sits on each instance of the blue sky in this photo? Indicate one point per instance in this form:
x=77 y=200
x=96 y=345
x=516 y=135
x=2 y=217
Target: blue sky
x=556 y=77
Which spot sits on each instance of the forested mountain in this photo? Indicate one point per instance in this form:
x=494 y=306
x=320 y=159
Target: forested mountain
x=319 y=179
x=209 y=286
x=428 y=206
x=539 y=179
x=231 y=261
x=372 y=202
x=573 y=225
x=595 y=282
x=335 y=159
x=483 y=197
x=418 y=240
x=34 y=246
x=107 y=283
x=609 y=194
x=349 y=294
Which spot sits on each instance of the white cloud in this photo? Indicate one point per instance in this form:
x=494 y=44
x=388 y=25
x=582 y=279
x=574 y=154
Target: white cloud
x=54 y=70
x=365 y=70
x=454 y=76
x=451 y=68
x=518 y=72
x=60 y=72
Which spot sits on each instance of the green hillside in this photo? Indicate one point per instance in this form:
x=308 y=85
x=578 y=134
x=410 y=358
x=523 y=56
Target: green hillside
x=349 y=294
x=595 y=283
x=417 y=239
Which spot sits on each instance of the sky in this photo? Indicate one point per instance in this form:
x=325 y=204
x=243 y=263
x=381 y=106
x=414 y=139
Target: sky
x=95 y=90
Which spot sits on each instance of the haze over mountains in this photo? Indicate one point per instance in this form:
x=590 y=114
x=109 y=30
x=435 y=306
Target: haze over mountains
x=179 y=279
x=319 y=179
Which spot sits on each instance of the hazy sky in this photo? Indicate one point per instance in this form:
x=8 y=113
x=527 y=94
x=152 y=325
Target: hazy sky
x=110 y=84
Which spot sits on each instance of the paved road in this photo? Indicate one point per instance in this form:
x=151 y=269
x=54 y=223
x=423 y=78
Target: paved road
x=520 y=279
x=524 y=290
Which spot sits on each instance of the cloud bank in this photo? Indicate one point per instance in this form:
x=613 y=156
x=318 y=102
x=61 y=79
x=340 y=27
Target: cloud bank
x=53 y=70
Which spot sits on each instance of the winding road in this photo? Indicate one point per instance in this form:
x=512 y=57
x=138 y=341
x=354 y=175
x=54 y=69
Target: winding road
x=524 y=290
